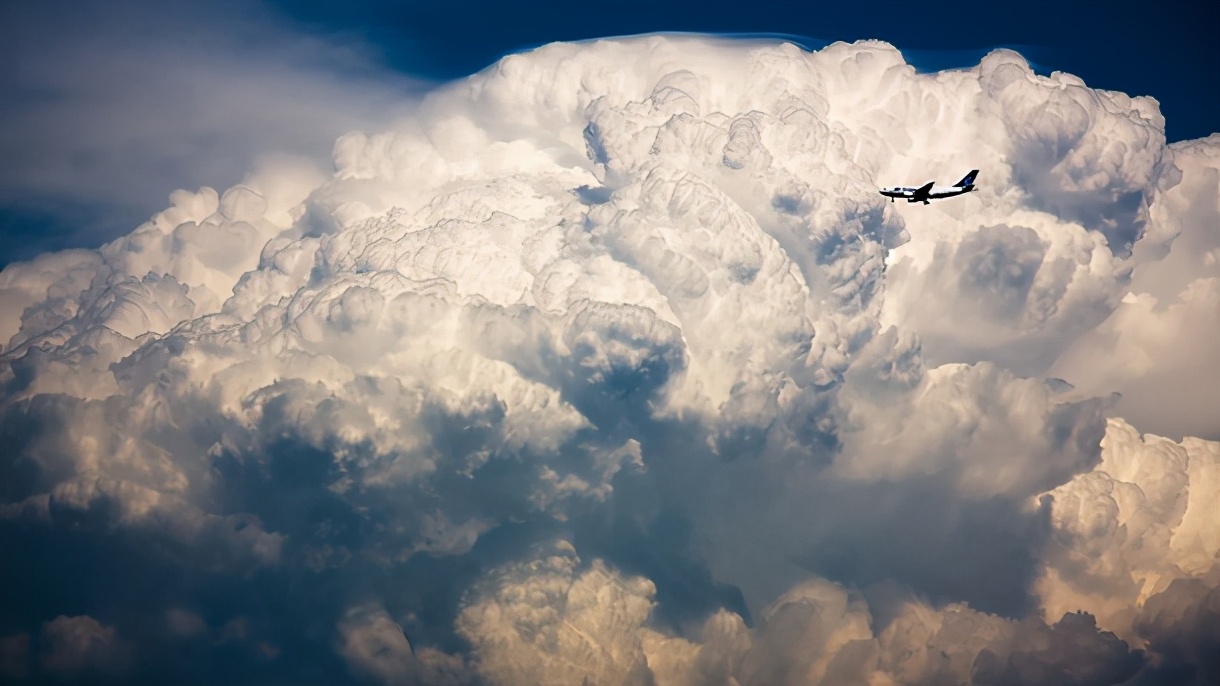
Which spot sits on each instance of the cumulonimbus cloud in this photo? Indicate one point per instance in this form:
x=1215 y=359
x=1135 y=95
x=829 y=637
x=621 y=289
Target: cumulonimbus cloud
x=612 y=362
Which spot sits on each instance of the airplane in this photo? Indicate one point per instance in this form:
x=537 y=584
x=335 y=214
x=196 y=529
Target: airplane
x=930 y=191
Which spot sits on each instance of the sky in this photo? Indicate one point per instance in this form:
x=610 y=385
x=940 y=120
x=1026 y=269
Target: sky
x=101 y=126
x=605 y=362
x=1132 y=46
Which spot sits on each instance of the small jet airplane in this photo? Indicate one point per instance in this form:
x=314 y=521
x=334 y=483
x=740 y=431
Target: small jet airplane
x=930 y=191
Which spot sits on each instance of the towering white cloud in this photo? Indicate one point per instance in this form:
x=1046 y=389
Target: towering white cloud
x=1159 y=348
x=639 y=297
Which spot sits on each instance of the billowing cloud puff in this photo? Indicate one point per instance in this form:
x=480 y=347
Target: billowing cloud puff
x=67 y=649
x=373 y=645
x=542 y=622
x=547 y=621
x=611 y=364
x=1159 y=347
x=1126 y=531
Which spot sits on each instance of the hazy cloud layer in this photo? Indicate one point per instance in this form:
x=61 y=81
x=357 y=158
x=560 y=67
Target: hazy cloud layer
x=611 y=363
x=108 y=109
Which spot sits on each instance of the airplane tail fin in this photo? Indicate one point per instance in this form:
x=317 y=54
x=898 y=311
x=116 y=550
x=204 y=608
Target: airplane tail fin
x=968 y=180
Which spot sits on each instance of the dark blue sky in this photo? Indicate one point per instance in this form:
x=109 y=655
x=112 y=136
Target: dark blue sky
x=1166 y=49
x=106 y=109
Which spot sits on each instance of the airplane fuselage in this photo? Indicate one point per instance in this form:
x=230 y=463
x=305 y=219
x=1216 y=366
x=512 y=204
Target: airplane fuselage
x=930 y=191
x=934 y=193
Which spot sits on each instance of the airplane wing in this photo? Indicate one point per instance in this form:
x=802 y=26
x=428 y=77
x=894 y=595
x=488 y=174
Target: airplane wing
x=921 y=193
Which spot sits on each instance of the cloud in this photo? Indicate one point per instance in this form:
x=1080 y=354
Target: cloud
x=1157 y=348
x=373 y=645
x=73 y=647
x=552 y=619
x=109 y=110
x=1180 y=623
x=1132 y=526
x=543 y=623
x=611 y=362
